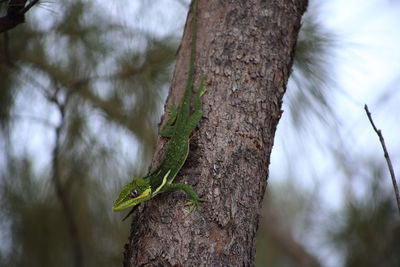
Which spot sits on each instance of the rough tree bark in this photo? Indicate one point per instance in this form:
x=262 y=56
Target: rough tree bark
x=245 y=49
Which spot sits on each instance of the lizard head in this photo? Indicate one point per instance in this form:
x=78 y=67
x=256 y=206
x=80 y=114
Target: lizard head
x=135 y=192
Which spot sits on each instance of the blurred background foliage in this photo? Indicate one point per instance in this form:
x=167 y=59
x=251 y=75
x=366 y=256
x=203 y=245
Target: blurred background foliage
x=81 y=95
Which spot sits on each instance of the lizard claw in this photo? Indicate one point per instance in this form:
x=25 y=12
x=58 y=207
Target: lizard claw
x=194 y=204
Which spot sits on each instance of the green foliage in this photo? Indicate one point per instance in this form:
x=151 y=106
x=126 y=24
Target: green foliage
x=38 y=225
x=36 y=220
x=312 y=81
x=367 y=230
x=369 y=234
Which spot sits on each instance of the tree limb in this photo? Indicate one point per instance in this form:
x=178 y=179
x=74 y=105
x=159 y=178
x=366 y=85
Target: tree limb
x=15 y=14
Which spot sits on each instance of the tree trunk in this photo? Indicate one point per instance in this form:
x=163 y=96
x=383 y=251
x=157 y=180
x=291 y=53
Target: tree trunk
x=245 y=50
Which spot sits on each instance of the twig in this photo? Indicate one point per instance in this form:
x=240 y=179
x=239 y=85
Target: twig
x=386 y=154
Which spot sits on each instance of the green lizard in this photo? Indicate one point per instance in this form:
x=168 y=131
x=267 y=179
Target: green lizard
x=178 y=128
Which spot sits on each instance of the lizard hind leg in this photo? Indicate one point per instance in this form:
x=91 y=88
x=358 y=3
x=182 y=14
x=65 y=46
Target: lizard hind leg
x=168 y=129
x=197 y=113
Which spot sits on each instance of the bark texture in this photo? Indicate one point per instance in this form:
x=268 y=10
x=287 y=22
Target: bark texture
x=245 y=49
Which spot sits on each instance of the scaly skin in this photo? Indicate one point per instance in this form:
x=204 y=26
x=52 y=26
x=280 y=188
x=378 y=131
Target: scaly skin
x=178 y=128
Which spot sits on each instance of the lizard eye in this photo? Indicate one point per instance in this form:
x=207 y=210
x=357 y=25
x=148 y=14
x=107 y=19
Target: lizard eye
x=134 y=193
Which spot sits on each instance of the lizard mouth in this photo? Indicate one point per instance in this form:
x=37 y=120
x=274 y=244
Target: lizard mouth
x=124 y=204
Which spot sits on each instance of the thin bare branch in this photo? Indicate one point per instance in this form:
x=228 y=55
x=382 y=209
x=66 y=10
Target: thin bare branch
x=386 y=154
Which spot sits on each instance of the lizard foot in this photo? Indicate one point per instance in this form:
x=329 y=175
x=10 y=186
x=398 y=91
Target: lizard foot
x=194 y=204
